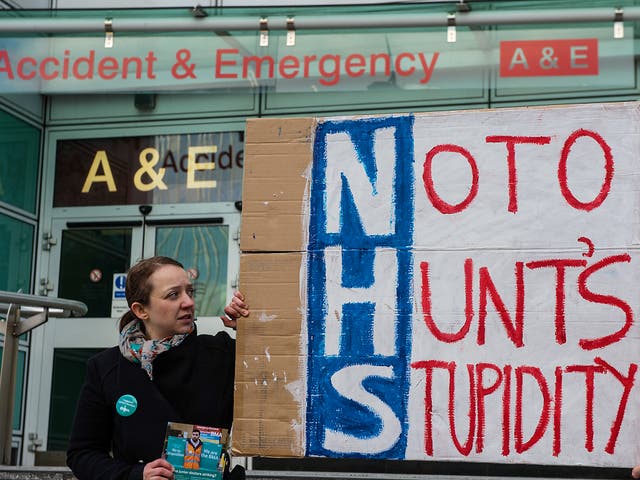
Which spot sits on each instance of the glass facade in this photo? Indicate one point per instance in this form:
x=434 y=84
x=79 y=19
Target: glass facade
x=399 y=53
x=69 y=365
x=16 y=236
x=19 y=160
x=19 y=184
x=203 y=250
x=89 y=259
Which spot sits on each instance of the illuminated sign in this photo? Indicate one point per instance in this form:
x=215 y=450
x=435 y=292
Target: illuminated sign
x=549 y=58
x=318 y=62
x=189 y=168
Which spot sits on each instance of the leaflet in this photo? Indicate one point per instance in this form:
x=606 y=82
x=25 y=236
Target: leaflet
x=196 y=451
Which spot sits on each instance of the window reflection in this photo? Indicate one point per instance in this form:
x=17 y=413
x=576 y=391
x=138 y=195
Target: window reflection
x=203 y=250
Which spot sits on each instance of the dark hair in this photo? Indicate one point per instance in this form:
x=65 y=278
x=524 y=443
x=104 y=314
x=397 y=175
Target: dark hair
x=138 y=288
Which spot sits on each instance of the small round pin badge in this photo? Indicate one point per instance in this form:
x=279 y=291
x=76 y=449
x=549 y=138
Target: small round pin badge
x=126 y=405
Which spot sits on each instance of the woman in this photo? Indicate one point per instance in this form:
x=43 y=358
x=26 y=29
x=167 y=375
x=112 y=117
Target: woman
x=161 y=371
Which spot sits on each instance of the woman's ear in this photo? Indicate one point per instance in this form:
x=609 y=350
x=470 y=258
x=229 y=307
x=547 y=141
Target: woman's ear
x=139 y=311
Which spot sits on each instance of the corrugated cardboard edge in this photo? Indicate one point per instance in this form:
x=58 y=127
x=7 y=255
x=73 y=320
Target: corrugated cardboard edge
x=277 y=165
x=270 y=390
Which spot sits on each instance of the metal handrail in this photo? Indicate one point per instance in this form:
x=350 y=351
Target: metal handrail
x=67 y=307
x=24 y=312
x=60 y=25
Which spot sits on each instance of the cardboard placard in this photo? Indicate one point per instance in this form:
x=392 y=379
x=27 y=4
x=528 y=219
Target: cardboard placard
x=443 y=286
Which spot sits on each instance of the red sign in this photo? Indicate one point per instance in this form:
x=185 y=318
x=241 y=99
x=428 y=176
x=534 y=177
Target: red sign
x=549 y=58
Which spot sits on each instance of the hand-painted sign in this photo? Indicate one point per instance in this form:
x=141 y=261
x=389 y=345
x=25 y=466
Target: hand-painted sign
x=465 y=287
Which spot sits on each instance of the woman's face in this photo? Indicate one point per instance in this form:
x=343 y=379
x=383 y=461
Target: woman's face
x=171 y=307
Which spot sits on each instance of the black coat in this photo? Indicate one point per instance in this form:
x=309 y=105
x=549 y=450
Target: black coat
x=192 y=383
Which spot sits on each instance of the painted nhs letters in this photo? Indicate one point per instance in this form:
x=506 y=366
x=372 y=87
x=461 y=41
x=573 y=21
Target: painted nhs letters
x=359 y=321
x=473 y=286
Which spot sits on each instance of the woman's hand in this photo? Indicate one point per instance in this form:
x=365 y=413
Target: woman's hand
x=635 y=473
x=237 y=308
x=157 y=470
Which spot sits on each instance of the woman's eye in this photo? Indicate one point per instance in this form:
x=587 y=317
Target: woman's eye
x=191 y=292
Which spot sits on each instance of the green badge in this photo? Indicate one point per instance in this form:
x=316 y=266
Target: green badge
x=126 y=405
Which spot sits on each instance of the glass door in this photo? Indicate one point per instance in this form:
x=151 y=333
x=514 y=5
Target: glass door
x=203 y=249
x=89 y=258
x=85 y=259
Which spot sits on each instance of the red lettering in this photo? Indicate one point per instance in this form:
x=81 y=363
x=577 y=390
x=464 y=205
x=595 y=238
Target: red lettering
x=589 y=375
x=65 y=64
x=20 y=68
x=466 y=448
x=560 y=266
x=570 y=57
x=427 y=68
x=6 y=64
x=488 y=289
x=104 y=67
x=514 y=323
x=43 y=68
x=427 y=178
x=221 y=62
x=428 y=435
x=89 y=66
x=428 y=366
x=511 y=142
x=150 y=58
x=289 y=62
x=543 y=420
x=562 y=171
x=481 y=388
x=137 y=64
x=557 y=412
x=386 y=63
x=329 y=77
x=506 y=404
x=591 y=344
x=426 y=304
x=258 y=61
x=307 y=64
x=398 y=64
x=627 y=382
x=354 y=65
x=483 y=392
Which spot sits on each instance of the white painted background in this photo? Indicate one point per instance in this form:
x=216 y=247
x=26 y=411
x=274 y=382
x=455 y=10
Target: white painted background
x=544 y=227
